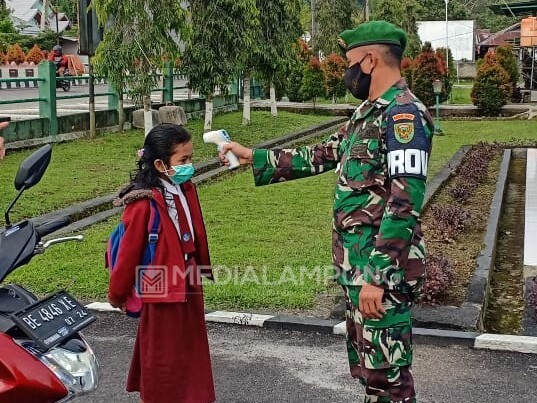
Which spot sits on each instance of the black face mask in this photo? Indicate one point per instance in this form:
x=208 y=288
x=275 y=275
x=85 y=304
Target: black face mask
x=357 y=81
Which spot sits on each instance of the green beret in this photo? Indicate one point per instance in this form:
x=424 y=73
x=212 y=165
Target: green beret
x=372 y=33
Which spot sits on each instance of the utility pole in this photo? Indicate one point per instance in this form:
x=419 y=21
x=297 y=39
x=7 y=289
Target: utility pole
x=447 y=37
x=313 y=30
x=44 y=15
x=367 y=16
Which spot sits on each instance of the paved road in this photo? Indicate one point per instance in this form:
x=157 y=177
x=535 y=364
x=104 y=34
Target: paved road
x=254 y=365
x=23 y=110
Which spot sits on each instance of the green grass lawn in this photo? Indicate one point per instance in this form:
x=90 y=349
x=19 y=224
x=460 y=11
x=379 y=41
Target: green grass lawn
x=84 y=169
x=281 y=231
x=461 y=96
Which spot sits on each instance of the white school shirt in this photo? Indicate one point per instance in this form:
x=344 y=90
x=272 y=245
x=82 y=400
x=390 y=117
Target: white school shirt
x=169 y=191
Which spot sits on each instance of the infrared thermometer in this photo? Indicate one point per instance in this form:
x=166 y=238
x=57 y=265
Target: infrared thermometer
x=221 y=137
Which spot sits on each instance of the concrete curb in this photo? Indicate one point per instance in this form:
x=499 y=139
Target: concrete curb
x=521 y=344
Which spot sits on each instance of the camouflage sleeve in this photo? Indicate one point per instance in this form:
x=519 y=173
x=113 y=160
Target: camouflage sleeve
x=279 y=165
x=408 y=145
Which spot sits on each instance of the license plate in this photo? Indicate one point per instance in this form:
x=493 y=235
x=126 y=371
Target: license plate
x=52 y=320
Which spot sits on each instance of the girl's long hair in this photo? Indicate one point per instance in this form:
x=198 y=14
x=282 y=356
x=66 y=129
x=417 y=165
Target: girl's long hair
x=159 y=144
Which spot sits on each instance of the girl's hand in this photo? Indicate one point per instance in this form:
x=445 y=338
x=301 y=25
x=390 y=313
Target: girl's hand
x=244 y=154
x=121 y=306
x=3 y=125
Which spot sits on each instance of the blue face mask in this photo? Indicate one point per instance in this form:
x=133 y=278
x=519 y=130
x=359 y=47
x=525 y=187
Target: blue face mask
x=183 y=173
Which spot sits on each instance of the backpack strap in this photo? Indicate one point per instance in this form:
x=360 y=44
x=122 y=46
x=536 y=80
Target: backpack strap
x=152 y=229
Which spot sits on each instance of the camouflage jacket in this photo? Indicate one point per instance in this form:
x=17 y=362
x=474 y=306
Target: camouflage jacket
x=381 y=155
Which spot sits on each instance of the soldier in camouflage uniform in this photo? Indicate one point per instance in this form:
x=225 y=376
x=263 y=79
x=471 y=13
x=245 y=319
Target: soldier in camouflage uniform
x=381 y=155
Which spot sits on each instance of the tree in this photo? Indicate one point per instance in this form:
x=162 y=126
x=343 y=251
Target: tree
x=508 y=61
x=407 y=71
x=428 y=68
x=302 y=54
x=333 y=17
x=222 y=29
x=448 y=79
x=312 y=85
x=139 y=35
x=433 y=10
x=35 y=55
x=15 y=54
x=68 y=7
x=6 y=25
x=280 y=29
x=333 y=68
x=492 y=86
x=401 y=13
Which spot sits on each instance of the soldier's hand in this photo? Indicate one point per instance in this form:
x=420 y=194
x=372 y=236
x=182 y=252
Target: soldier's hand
x=244 y=154
x=370 y=302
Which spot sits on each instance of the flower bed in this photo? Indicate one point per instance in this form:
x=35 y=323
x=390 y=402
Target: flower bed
x=454 y=224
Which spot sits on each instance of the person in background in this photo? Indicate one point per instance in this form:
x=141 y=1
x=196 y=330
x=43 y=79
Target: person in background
x=59 y=59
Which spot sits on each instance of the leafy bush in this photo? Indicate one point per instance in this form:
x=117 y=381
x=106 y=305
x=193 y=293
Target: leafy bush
x=296 y=72
x=3 y=58
x=508 y=60
x=440 y=274
x=450 y=219
x=473 y=171
x=462 y=191
x=45 y=40
x=312 y=85
x=16 y=54
x=492 y=87
x=35 y=55
x=428 y=68
x=407 y=71
x=450 y=68
x=333 y=68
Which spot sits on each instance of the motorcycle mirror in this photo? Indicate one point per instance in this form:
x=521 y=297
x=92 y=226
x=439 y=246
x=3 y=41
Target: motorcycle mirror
x=30 y=172
x=32 y=168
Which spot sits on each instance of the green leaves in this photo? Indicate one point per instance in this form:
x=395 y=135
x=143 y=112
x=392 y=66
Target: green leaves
x=140 y=35
x=280 y=29
x=332 y=18
x=223 y=33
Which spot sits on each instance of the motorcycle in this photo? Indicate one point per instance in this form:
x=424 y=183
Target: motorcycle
x=43 y=356
x=61 y=83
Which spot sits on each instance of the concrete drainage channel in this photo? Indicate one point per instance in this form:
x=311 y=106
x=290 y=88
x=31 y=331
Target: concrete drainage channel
x=449 y=322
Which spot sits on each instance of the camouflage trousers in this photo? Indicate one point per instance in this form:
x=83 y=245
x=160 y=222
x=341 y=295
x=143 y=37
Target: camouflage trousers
x=380 y=350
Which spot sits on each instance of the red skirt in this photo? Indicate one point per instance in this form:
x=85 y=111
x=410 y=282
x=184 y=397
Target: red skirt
x=171 y=360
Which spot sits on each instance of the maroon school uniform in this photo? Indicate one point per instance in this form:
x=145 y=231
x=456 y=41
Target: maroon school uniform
x=171 y=360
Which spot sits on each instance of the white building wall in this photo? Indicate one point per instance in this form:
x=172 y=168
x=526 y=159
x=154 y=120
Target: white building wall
x=460 y=36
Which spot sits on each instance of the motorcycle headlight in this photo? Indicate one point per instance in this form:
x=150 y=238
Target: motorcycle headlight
x=77 y=370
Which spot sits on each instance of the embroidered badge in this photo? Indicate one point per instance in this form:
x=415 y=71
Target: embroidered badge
x=186 y=237
x=404 y=132
x=403 y=116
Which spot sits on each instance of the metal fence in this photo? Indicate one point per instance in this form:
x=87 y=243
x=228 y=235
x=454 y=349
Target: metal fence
x=46 y=82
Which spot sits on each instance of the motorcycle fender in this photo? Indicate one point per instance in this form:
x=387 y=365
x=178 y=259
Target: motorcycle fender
x=23 y=378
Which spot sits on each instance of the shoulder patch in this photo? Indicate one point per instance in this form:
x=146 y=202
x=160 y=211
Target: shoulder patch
x=407 y=144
